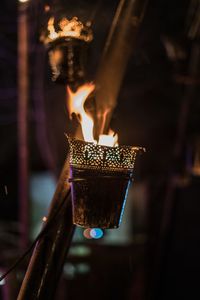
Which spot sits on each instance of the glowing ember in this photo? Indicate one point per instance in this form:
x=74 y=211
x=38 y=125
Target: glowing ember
x=75 y=104
x=67 y=28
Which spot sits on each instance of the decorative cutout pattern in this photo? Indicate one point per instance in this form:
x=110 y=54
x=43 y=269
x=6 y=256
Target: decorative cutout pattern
x=93 y=156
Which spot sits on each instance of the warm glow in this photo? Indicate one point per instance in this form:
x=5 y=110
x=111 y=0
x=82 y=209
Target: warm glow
x=46 y=8
x=196 y=165
x=75 y=104
x=70 y=27
x=103 y=117
x=67 y=28
x=52 y=33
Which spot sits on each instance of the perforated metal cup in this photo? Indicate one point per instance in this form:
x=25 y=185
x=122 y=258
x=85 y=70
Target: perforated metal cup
x=100 y=177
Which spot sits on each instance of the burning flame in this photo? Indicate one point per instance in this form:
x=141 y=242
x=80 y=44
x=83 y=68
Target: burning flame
x=110 y=139
x=75 y=104
x=68 y=28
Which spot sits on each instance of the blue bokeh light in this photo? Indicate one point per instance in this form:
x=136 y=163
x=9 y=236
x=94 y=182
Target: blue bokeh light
x=96 y=233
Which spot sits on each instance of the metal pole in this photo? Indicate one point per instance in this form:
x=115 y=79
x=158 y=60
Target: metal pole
x=23 y=124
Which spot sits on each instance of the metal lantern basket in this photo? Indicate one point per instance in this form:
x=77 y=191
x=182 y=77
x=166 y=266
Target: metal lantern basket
x=100 y=177
x=67 y=58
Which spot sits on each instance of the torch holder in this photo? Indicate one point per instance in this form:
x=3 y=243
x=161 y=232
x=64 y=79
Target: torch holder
x=100 y=177
x=67 y=57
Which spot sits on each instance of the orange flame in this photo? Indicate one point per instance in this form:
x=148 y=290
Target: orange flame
x=52 y=33
x=75 y=104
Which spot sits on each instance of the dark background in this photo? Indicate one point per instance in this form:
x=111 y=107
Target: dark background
x=161 y=260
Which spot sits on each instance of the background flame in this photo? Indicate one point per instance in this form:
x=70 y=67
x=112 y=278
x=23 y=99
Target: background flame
x=67 y=28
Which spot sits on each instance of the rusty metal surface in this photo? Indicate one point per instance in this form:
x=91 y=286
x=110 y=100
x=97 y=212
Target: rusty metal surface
x=99 y=201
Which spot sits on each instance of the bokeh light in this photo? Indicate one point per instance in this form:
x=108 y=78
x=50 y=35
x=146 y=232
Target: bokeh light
x=86 y=233
x=96 y=233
